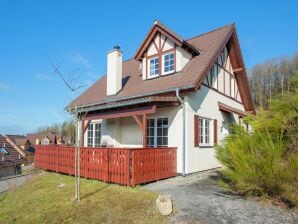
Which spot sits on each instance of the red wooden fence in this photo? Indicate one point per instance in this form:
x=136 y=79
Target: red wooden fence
x=124 y=166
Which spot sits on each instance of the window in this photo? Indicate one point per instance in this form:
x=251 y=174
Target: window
x=162 y=132
x=157 y=132
x=150 y=132
x=168 y=63
x=205 y=130
x=154 y=67
x=94 y=134
x=3 y=151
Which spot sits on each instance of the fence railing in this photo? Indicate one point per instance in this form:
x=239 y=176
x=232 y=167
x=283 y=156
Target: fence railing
x=126 y=166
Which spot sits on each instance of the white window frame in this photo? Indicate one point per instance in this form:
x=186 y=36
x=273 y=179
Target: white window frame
x=164 y=61
x=93 y=137
x=155 y=132
x=151 y=76
x=202 y=132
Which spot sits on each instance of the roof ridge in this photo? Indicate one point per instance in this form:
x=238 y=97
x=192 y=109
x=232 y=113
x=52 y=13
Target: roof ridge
x=219 y=28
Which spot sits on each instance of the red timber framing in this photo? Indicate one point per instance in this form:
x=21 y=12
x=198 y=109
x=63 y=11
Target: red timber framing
x=138 y=114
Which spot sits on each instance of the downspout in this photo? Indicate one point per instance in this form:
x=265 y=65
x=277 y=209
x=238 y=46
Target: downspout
x=183 y=129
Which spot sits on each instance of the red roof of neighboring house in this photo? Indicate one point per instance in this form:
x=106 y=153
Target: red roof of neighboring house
x=190 y=77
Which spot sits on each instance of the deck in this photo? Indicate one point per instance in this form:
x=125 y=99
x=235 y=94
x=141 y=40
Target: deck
x=125 y=166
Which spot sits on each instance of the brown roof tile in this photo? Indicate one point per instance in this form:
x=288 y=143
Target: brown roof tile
x=13 y=156
x=133 y=85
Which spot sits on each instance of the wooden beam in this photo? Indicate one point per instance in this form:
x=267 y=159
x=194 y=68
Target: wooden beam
x=85 y=127
x=122 y=113
x=138 y=121
x=237 y=70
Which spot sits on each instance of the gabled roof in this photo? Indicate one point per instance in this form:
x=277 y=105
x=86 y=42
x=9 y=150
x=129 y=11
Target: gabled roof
x=13 y=157
x=50 y=135
x=189 y=78
x=158 y=27
x=18 y=139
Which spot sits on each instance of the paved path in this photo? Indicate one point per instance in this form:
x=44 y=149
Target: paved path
x=13 y=182
x=198 y=199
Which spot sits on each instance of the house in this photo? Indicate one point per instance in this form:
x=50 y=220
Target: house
x=45 y=138
x=20 y=140
x=174 y=92
x=11 y=158
x=22 y=143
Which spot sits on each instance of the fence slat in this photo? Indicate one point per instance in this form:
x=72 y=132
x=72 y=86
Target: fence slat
x=115 y=165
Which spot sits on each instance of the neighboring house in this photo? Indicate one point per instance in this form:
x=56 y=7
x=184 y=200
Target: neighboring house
x=24 y=144
x=11 y=158
x=20 y=140
x=44 y=138
x=174 y=92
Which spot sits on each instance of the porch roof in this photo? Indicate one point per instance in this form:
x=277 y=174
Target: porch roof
x=131 y=102
x=121 y=113
x=229 y=109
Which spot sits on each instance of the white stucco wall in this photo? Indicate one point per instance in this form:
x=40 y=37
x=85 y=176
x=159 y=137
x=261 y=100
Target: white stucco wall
x=205 y=104
x=124 y=132
x=182 y=57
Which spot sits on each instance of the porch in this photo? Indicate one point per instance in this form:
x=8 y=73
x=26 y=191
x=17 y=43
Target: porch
x=125 y=166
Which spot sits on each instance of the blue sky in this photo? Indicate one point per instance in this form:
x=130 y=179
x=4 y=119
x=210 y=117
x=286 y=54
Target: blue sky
x=77 y=35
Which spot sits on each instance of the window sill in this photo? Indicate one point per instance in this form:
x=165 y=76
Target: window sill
x=153 y=77
x=205 y=146
x=169 y=73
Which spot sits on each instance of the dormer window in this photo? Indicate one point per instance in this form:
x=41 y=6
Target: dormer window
x=154 y=68
x=169 y=63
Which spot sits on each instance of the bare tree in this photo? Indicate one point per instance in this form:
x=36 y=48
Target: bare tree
x=77 y=117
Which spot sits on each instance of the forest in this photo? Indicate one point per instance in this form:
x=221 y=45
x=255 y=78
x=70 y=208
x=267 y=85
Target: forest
x=271 y=78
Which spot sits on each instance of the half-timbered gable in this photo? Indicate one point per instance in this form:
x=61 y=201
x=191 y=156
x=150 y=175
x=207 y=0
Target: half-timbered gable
x=163 y=53
x=221 y=77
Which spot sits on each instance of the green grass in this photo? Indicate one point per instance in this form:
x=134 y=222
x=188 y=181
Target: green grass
x=42 y=201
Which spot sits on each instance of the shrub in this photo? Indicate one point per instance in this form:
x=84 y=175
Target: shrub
x=265 y=162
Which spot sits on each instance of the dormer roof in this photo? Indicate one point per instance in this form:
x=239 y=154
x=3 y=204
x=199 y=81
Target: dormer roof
x=158 y=27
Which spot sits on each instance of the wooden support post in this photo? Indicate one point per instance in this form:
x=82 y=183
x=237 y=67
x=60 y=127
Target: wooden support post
x=84 y=129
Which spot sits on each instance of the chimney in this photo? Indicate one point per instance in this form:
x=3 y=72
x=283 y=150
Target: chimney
x=114 y=71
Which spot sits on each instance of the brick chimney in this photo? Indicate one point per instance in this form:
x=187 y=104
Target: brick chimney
x=114 y=71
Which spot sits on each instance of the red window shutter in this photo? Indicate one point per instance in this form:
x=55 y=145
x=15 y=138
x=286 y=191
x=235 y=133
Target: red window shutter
x=196 y=130
x=215 y=131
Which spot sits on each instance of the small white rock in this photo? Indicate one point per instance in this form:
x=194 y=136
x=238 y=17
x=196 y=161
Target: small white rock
x=61 y=185
x=164 y=204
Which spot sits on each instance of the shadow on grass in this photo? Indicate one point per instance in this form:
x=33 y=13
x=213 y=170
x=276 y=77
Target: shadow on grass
x=90 y=194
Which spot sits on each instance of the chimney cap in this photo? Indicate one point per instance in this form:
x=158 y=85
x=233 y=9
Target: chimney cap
x=117 y=47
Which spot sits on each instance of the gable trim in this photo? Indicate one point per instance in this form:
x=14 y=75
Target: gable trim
x=159 y=29
x=242 y=81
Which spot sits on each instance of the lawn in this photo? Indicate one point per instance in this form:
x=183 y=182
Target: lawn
x=42 y=200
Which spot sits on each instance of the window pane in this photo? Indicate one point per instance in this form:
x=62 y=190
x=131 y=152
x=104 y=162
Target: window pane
x=165 y=141
x=159 y=131
x=154 y=67
x=169 y=62
x=159 y=141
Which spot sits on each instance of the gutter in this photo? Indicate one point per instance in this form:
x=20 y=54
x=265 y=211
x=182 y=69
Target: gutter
x=82 y=107
x=183 y=131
